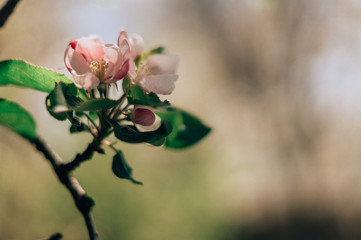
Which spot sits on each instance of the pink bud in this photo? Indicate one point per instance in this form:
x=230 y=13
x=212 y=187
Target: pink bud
x=145 y=120
x=144 y=116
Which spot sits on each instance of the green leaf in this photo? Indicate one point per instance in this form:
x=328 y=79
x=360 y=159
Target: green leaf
x=161 y=133
x=137 y=96
x=17 y=119
x=23 y=74
x=147 y=54
x=121 y=169
x=157 y=143
x=126 y=83
x=187 y=129
x=64 y=99
x=158 y=50
x=130 y=134
x=95 y=105
x=61 y=99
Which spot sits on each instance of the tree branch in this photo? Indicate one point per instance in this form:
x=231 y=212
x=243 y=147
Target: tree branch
x=55 y=236
x=84 y=156
x=7 y=10
x=82 y=201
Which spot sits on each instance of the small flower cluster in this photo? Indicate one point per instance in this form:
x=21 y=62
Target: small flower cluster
x=135 y=113
x=95 y=65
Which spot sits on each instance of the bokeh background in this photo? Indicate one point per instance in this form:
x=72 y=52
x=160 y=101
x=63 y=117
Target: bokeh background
x=277 y=80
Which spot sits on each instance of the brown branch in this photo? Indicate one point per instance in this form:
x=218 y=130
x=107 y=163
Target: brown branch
x=83 y=202
x=55 y=236
x=7 y=10
x=84 y=156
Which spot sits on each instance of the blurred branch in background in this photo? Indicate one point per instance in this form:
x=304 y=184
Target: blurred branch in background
x=7 y=10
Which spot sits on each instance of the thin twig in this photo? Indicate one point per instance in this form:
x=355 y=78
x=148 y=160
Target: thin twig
x=82 y=201
x=7 y=10
x=84 y=156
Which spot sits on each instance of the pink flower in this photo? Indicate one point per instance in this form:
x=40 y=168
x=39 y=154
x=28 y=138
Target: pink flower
x=158 y=74
x=91 y=62
x=144 y=118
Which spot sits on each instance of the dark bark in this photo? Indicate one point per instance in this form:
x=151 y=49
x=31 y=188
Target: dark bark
x=82 y=201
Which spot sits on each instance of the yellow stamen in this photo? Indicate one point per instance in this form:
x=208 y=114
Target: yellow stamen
x=98 y=68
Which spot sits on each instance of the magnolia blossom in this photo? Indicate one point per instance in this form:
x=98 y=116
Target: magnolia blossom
x=158 y=73
x=144 y=118
x=91 y=62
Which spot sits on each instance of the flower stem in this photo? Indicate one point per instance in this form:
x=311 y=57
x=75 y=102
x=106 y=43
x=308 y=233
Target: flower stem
x=113 y=148
x=118 y=113
x=92 y=121
x=121 y=100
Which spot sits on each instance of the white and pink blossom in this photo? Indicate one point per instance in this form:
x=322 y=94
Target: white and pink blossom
x=158 y=74
x=91 y=62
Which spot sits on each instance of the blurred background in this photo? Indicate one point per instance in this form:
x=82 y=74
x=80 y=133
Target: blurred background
x=277 y=80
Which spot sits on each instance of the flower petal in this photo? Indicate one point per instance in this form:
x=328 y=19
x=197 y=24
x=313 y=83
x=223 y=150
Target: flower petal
x=132 y=69
x=122 y=72
x=137 y=45
x=78 y=63
x=73 y=43
x=87 y=81
x=127 y=58
x=96 y=39
x=124 y=45
x=162 y=63
x=111 y=53
x=122 y=36
x=67 y=57
x=91 y=48
x=126 y=49
x=159 y=84
x=114 y=90
x=114 y=59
